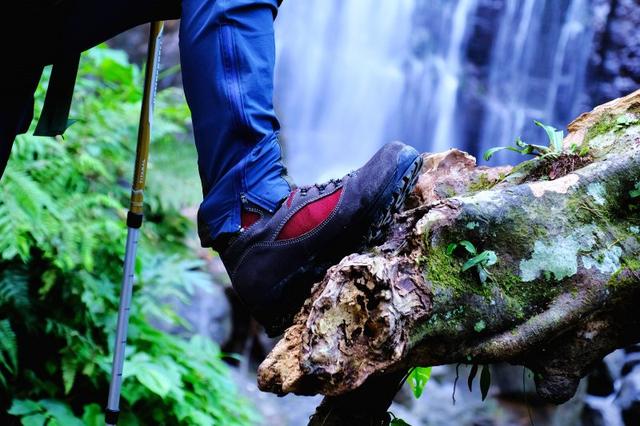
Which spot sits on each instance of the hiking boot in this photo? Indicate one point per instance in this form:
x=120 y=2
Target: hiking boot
x=276 y=258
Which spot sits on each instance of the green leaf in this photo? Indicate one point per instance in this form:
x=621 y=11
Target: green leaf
x=526 y=149
x=34 y=420
x=451 y=248
x=8 y=347
x=418 y=379
x=486 y=258
x=61 y=412
x=485 y=381
x=483 y=274
x=93 y=415
x=469 y=246
x=398 y=422
x=152 y=377
x=68 y=373
x=491 y=152
x=635 y=193
x=20 y=407
x=556 y=137
x=472 y=375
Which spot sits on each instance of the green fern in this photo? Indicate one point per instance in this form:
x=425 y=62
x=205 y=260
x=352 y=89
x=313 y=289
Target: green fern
x=8 y=352
x=62 y=212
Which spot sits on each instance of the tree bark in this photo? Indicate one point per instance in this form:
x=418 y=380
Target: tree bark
x=563 y=293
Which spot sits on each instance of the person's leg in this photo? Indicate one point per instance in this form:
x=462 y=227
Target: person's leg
x=228 y=54
x=273 y=250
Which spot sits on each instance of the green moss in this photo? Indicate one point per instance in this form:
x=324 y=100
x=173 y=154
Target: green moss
x=604 y=126
x=609 y=124
x=629 y=263
x=482 y=183
x=479 y=326
x=522 y=298
x=444 y=323
x=445 y=272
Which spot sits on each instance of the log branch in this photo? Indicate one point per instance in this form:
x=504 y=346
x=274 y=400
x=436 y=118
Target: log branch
x=563 y=293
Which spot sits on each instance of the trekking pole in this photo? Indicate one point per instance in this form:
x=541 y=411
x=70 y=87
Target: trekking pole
x=134 y=219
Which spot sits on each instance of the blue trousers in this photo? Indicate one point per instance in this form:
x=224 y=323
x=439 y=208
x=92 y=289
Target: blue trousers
x=227 y=53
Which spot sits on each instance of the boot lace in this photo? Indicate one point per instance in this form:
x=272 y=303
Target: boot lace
x=322 y=186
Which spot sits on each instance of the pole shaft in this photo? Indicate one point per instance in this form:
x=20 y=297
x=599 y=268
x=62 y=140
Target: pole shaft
x=123 y=321
x=134 y=220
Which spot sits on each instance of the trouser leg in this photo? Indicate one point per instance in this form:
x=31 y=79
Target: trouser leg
x=228 y=54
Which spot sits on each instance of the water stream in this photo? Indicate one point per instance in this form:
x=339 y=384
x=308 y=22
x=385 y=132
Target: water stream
x=354 y=74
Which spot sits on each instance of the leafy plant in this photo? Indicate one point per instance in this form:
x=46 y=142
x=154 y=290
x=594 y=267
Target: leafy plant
x=554 y=136
x=635 y=193
x=61 y=247
x=481 y=261
x=418 y=379
x=485 y=379
x=396 y=421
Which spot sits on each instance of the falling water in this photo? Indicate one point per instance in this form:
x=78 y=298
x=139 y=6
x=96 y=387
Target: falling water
x=353 y=74
x=339 y=78
x=538 y=69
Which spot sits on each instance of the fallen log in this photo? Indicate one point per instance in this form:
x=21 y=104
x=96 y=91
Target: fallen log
x=536 y=265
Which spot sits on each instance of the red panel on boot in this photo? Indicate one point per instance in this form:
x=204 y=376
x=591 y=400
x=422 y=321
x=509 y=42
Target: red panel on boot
x=248 y=218
x=310 y=216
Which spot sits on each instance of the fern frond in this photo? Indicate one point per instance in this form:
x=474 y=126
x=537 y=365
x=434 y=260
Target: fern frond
x=8 y=350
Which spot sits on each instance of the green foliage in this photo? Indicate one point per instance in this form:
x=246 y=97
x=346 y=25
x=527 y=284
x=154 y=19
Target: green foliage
x=398 y=422
x=554 y=136
x=481 y=261
x=418 y=379
x=472 y=375
x=485 y=379
x=635 y=193
x=44 y=412
x=62 y=233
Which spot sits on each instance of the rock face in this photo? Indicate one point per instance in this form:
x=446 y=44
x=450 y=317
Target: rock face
x=615 y=61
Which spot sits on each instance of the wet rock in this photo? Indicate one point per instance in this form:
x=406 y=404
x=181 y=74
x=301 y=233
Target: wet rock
x=615 y=361
x=631 y=360
x=600 y=381
x=593 y=415
x=615 y=63
x=207 y=312
x=629 y=397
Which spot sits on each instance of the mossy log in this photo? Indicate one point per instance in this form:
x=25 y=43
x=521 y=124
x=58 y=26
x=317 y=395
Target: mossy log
x=564 y=292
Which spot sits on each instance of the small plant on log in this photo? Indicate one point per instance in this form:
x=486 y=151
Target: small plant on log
x=555 y=144
x=481 y=261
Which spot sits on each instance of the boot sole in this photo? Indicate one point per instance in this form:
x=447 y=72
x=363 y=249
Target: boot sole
x=374 y=235
x=383 y=218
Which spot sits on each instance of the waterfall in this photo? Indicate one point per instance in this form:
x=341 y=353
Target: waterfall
x=354 y=74
x=339 y=78
x=538 y=69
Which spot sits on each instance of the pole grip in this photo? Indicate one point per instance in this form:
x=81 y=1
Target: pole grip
x=146 y=117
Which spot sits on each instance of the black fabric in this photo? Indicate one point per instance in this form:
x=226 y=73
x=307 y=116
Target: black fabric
x=16 y=107
x=54 y=118
x=40 y=32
